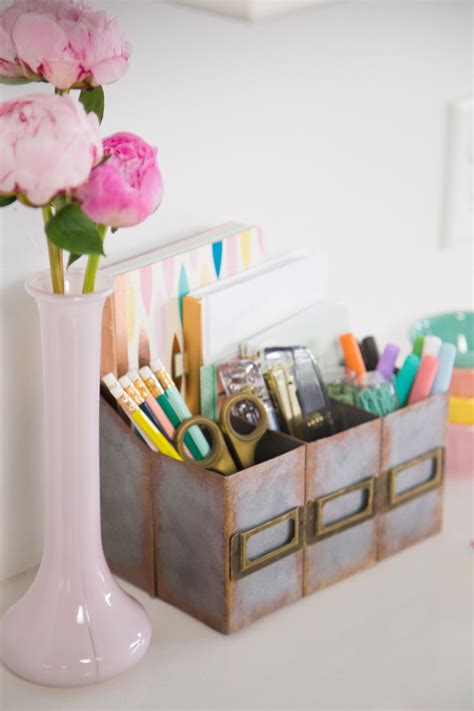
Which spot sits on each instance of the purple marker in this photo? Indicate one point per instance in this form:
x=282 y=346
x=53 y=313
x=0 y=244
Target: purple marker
x=387 y=360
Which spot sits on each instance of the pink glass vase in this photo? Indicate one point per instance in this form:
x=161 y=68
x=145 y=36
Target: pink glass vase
x=75 y=626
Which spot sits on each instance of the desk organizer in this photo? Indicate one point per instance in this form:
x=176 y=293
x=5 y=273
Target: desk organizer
x=228 y=550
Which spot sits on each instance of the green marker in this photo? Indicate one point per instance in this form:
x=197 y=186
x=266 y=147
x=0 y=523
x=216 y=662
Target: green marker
x=406 y=376
x=418 y=346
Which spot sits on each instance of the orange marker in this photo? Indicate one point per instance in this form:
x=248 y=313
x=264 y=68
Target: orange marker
x=352 y=354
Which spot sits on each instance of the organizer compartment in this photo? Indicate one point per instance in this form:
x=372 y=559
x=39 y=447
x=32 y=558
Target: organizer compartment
x=341 y=482
x=411 y=485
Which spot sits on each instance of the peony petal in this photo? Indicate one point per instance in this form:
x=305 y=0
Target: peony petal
x=36 y=37
x=109 y=70
x=62 y=74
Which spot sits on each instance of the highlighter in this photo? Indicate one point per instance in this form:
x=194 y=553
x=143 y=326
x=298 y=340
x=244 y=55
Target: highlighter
x=157 y=410
x=133 y=392
x=111 y=381
x=370 y=352
x=431 y=346
x=418 y=346
x=424 y=379
x=406 y=377
x=179 y=406
x=447 y=356
x=143 y=423
x=388 y=360
x=352 y=354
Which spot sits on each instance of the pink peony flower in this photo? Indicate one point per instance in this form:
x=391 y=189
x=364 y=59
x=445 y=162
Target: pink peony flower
x=125 y=189
x=48 y=144
x=65 y=43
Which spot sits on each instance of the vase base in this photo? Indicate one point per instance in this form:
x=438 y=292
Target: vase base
x=55 y=642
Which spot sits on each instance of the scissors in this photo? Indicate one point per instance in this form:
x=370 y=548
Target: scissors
x=230 y=450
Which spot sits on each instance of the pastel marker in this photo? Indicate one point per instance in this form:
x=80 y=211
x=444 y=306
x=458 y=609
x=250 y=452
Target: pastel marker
x=388 y=360
x=131 y=390
x=446 y=358
x=418 y=346
x=144 y=424
x=352 y=354
x=157 y=410
x=179 y=406
x=405 y=378
x=431 y=346
x=370 y=352
x=424 y=379
x=111 y=381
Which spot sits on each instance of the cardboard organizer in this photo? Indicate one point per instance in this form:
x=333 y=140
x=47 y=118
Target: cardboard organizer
x=228 y=550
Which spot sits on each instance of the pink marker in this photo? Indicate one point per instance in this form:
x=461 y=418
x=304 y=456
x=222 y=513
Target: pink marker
x=424 y=379
x=154 y=406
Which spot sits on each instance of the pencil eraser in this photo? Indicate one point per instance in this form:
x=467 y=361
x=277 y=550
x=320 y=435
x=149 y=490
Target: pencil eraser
x=157 y=364
x=446 y=358
x=110 y=380
x=431 y=346
x=125 y=381
x=117 y=391
x=133 y=375
x=388 y=360
x=146 y=372
x=424 y=379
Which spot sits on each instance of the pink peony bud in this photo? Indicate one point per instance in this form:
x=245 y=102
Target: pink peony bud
x=65 y=43
x=125 y=189
x=48 y=144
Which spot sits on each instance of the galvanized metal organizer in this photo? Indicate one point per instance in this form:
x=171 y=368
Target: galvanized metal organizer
x=229 y=550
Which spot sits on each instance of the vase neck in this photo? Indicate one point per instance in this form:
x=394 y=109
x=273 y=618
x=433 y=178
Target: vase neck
x=70 y=338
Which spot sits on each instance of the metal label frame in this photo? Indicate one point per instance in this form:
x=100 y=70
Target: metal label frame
x=390 y=498
x=241 y=565
x=316 y=530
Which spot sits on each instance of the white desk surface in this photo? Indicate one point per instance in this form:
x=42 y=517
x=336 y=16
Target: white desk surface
x=397 y=636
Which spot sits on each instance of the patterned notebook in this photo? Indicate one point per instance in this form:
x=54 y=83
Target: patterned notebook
x=143 y=319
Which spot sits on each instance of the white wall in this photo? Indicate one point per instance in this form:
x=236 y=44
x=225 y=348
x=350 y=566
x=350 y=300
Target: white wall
x=325 y=127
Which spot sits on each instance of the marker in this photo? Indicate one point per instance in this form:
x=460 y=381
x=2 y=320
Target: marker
x=145 y=425
x=418 y=346
x=179 y=406
x=352 y=354
x=370 y=352
x=424 y=379
x=431 y=346
x=126 y=383
x=111 y=381
x=388 y=360
x=446 y=358
x=406 y=377
x=157 y=410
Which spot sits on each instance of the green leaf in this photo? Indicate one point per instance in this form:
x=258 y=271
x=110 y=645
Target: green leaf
x=93 y=100
x=72 y=258
x=7 y=200
x=72 y=230
x=15 y=80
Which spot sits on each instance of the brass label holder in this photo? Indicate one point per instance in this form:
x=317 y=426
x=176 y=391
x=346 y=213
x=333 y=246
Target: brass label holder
x=240 y=563
x=389 y=499
x=317 y=530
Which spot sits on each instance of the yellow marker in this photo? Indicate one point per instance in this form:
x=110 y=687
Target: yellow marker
x=143 y=423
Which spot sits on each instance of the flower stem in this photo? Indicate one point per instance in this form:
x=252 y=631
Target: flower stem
x=55 y=257
x=93 y=265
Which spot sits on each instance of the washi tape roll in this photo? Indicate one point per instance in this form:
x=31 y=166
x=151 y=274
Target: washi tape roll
x=462 y=382
x=461 y=410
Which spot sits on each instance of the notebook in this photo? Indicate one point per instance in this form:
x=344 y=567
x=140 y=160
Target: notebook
x=217 y=318
x=143 y=319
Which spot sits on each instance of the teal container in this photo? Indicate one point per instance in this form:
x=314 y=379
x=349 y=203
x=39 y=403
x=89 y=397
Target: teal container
x=456 y=327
